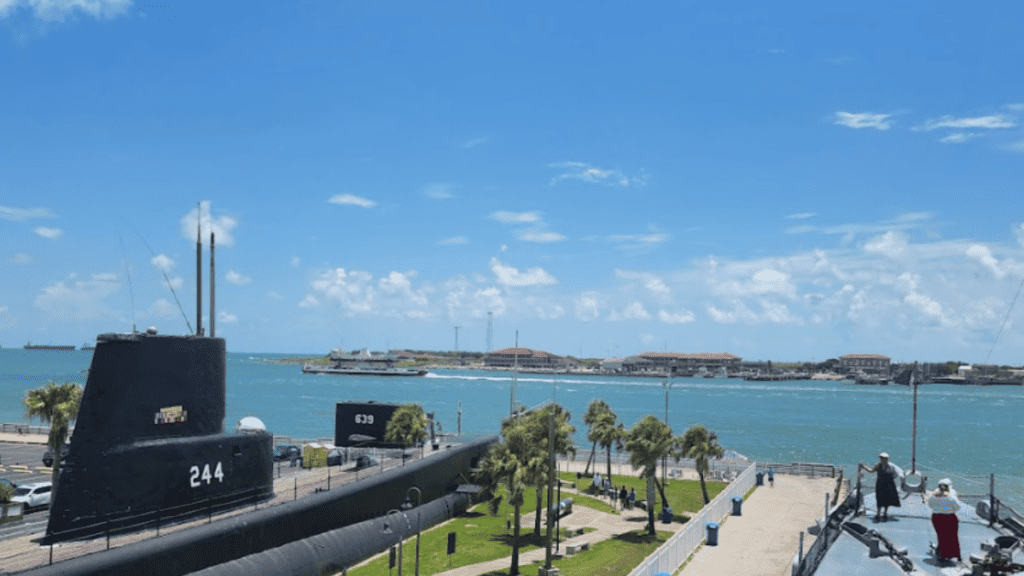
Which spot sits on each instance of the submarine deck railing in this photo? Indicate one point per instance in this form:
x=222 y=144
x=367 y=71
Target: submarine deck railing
x=289 y=484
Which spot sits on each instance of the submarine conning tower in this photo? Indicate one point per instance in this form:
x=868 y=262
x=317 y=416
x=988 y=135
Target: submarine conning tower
x=147 y=386
x=149 y=440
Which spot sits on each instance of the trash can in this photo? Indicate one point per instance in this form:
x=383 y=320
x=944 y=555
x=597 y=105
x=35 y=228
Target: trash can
x=712 y=533
x=666 y=515
x=760 y=478
x=737 y=505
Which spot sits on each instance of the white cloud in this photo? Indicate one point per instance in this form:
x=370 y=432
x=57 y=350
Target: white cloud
x=473 y=143
x=49 y=233
x=680 y=317
x=510 y=276
x=79 y=299
x=892 y=244
x=463 y=298
x=993 y=121
x=359 y=294
x=765 y=281
x=587 y=173
x=635 y=311
x=863 y=120
x=1015 y=107
x=274 y=294
x=849 y=232
x=983 y=255
x=162 y=262
x=515 y=217
x=454 y=241
x=800 y=215
x=352 y=199
x=21 y=258
x=162 y=308
x=439 y=191
x=22 y=214
x=1019 y=231
x=57 y=10
x=588 y=307
x=640 y=241
x=958 y=137
x=309 y=301
x=237 y=278
x=221 y=226
x=176 y=283
x=537 y=236
x=296 y=261
x=226 y=317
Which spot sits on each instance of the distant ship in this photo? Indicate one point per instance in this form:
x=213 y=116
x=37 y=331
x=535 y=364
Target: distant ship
x=31 y=346
x=88 y=347
x=362 y=363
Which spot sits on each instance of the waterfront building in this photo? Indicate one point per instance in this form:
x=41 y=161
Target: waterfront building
x=526 y=359
x=867 y=363
x=680 y=363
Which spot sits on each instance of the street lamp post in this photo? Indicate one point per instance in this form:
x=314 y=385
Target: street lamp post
x=664 y=458
x=400 y=538
x=407 y=505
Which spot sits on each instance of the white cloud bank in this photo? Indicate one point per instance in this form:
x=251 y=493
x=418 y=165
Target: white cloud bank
x=56 y=10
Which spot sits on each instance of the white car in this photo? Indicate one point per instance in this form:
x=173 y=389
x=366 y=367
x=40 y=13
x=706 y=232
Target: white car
x=33 y=495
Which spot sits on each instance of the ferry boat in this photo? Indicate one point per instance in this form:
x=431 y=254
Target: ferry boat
x=361 y=363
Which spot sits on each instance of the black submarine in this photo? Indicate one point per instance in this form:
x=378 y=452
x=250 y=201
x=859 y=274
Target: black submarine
x=149 y=440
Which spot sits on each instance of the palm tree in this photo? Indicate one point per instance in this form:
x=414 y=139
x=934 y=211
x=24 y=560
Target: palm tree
x=538 y=465
x=407 y=426
x=700 y=445
x=56 y=405
x=608 y=433
x=647 y=442
x=506 y=464
x=594 y=411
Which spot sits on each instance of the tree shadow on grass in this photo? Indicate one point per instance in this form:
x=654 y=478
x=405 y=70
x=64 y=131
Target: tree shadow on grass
x=471 y=515
x=637 y=537
x=525 y=539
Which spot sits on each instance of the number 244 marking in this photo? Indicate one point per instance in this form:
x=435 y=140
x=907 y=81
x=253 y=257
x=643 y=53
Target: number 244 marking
x=198 y=478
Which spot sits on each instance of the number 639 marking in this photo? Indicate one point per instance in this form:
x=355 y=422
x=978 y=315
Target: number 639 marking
x=198 y=478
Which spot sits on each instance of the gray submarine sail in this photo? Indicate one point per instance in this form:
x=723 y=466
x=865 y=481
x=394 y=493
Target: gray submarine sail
x=149 y=440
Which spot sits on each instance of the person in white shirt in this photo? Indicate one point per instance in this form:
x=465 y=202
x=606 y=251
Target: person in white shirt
x=945 y=504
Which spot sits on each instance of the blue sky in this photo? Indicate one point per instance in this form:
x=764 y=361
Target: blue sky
x=780 y=182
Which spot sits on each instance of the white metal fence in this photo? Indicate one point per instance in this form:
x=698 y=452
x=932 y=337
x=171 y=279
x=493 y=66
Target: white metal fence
x=671 y=555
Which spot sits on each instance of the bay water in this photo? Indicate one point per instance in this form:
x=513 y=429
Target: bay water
x=963 y=432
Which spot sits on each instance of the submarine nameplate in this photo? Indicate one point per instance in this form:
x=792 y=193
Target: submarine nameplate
x=170 y=415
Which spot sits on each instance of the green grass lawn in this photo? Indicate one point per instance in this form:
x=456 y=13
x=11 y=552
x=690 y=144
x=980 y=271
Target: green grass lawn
x=479 y=538
x=615 y=557
x=683 y=495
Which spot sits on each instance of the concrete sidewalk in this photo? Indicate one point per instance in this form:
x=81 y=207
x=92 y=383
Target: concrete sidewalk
x=766 y=537
x=24 y=438
x=760 y=542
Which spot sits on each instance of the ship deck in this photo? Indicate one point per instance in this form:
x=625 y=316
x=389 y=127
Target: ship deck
x=909 y=527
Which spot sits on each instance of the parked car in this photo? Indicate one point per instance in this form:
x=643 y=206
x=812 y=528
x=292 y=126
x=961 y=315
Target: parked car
x=286 y=452
x=48 y=455
x=33 y=495
x=365 y=461
x=335 y=457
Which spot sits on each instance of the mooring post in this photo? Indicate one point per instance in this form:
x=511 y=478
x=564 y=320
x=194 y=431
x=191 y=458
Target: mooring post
x=296 y=494
x=108 y=533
